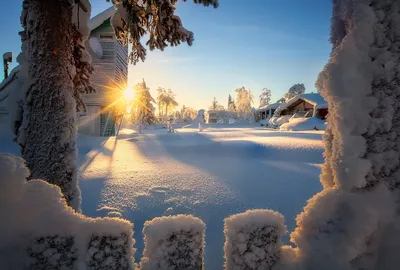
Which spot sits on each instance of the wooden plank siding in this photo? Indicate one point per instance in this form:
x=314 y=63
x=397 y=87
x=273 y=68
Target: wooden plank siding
x=111 y=70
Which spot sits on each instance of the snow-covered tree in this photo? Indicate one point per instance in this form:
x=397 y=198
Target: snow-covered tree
x=281 y=100
x=188 y=112
x=295 y=90
x=143 y=104
x=231 y=104
x=166 y=101
x=265 y=97
x=215 y=106
x=244 y=100
x=354 y=222
x=58 y=71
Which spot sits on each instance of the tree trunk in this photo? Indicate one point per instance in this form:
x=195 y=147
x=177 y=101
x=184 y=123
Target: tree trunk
x=48 y=131
x=344 y=226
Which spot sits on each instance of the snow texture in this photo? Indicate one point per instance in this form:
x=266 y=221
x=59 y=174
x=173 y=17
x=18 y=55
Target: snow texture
x=47 y=133
x=302 y=123
x=344 y=226
x=277 y=121
x=253 y=239
x=48 y=234
x=173 y=242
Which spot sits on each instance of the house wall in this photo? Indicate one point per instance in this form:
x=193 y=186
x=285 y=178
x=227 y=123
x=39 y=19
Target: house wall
x=298 y=107
x=110 y=78
x=90 y=123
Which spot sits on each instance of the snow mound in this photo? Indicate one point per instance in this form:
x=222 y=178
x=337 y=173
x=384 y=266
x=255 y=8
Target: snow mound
x=173 y=242
x=277 y=121
x=253 y=239
x=96 y=46
x=311 y=123
x=38 y=230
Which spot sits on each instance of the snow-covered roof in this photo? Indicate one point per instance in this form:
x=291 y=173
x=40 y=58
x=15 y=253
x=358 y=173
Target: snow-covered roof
x=4 y=90
x=272 y=106
x=100 y=18
x=313 y=98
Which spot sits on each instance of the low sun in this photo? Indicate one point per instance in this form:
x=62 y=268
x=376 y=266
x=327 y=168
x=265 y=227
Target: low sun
x=129 y=94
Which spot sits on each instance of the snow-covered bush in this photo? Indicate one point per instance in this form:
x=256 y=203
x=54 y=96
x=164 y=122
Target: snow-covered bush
x=253 y=239
x=39 y=231
x=173 y=242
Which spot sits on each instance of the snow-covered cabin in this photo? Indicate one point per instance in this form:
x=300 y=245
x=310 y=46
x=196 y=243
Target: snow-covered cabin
x=304 y=105
x=110 y=62
x=264 y=113
x=212 y=116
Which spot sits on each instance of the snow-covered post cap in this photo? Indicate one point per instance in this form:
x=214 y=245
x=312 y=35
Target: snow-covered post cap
x=173 y=242
x=7 y=56
x=253 y=239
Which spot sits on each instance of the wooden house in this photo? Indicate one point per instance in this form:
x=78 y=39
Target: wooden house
x=304 y=105
x=264 y=113
x=110 y=62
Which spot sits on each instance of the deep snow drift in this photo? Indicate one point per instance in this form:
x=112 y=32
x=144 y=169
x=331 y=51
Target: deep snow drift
x=224 y=170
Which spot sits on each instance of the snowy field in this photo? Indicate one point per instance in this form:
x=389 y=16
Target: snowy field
x=212 y=175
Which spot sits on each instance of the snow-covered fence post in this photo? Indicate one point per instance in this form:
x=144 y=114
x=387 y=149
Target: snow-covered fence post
x=110 y=244
x=173 y=242
x=38 y=230
x=253 y=239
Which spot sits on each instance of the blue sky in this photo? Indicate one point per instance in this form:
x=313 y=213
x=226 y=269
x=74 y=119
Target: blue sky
x=256 y=44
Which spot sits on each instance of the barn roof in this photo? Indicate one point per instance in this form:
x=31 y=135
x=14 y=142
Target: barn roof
x=4 y=89
x=100 y=18
x=313 y=98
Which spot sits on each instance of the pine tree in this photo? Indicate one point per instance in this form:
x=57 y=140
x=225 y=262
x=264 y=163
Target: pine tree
x=229 y=101
x=58 y=72
x=143 y=106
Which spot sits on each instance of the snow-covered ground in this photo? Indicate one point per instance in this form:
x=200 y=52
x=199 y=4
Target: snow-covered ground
x=213 y=174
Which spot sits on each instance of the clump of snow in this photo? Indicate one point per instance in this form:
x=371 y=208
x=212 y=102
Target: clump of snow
x=47 y=234
x=310 y=123
x=277 y=121
x=80 y=17
x=338 y=228
x=96 y=46
x=253 y=239
x=173 y=242
x=199 y=118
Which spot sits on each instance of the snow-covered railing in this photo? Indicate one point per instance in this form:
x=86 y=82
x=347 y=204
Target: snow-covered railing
x=39 y=231
x=173 y=242
x=253 y=239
